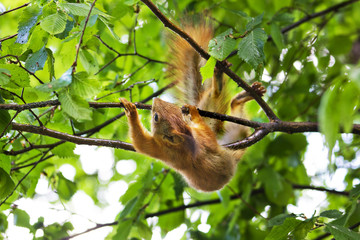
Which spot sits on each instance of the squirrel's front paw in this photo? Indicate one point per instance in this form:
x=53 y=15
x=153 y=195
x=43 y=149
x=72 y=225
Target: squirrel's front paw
x=130 y=108
x=259 y=88
x=192 y=110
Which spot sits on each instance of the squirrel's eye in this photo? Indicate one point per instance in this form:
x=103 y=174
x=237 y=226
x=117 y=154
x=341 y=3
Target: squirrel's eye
x=156 y=117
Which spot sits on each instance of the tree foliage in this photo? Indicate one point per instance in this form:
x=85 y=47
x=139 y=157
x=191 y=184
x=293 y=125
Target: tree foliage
x=64 y=64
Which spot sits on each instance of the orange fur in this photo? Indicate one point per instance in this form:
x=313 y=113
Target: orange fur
x=191 y=146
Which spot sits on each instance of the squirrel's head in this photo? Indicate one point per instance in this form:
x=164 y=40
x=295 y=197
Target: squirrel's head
x=168 y=123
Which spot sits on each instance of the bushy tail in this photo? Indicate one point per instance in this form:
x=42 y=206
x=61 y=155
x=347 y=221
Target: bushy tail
x=186 y=62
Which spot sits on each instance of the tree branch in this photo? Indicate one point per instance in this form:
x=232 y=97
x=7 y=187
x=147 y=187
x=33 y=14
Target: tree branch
x=24 y=5
x=315 y=15
x=81 y=38
x=71 y=138
x=220 y=65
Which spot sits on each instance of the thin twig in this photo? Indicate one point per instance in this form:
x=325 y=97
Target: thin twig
x=81 y=38
x=24 y=5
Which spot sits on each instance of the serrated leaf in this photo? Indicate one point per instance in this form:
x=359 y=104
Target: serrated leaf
x=81 y=9
x=222 y=45
x=254 y=22
x=36 y=61
x=331 y=214
x=88 y=61
x=74 y=106
x=207 y=71
x=27 y=21
x=19 y=77
x=57 y=84
x=342 y=233
x=83 y=86
x=251 y=47
x=21 y=218
x=54 y=23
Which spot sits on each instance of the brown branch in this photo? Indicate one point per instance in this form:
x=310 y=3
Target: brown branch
x=223 y=66
x=24 y=5
x=71 y=138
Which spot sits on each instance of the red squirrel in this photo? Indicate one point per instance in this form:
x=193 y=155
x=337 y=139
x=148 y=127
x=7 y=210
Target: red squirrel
x=190 y=146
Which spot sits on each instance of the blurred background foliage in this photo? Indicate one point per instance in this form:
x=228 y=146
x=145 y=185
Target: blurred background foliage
x=311 y=73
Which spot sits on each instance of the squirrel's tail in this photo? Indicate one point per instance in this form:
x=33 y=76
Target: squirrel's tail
x=185 y=62
x=210 y=94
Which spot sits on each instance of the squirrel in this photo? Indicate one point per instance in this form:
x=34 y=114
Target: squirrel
x=190 y=146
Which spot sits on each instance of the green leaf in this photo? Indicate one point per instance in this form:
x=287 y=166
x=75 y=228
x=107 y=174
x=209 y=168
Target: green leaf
x=88 y=61
x=144 y=230
x=81 y=9
x=65 y=188
x=222 y=45
x=128 y=208
x=281 y=232
x=277 y=36
x=64 y=150
x=341 y=98
x=83 y=86
x=6 y=183
x=50 y=63
x=4 y=76
x=331 y=214
x=74 y=106
x=123 y=230
x=54 y=23
x=272 y=181
x=36 y=61
x=21 y=218
x=19 y=77
x=57 y=84
x=342 y=233
x=3 y=222
x=279 y=219
x=68 y=27
x=27 y=21
x=254 y=22
x=5 y=119
x=302 y=230
x=224 y=196
x=251 y=47
x=355 y=192
x=207 y=71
